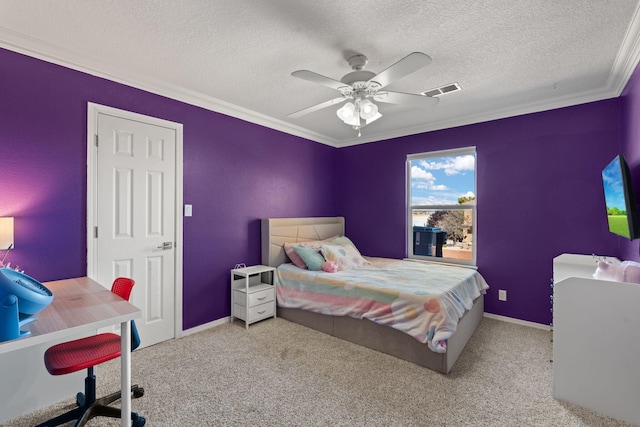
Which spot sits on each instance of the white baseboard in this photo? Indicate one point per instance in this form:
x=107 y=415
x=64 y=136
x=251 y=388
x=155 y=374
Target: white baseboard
x=206 y=326
x=517 y=321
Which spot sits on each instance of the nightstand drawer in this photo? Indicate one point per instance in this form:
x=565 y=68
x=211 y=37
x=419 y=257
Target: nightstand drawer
x=255 y=298
x=255 y=313
x=261 y=297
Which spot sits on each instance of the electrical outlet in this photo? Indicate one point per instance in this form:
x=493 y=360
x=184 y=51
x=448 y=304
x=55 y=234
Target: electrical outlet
x=502 y=295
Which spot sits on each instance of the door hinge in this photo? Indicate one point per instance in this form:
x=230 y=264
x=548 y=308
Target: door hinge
x=95 y=232
x=96 y=139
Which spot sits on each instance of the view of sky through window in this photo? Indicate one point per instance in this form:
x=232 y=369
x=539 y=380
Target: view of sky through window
x=442 y=180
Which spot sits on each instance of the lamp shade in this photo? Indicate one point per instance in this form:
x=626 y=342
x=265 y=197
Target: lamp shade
x=368 y=109
x=346 y=112
x=6 y=232
x=373 y=118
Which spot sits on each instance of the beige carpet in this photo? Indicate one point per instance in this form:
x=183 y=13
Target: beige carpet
x=282 y=374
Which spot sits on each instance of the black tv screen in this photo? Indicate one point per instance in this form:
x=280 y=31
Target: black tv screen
x=622 y=211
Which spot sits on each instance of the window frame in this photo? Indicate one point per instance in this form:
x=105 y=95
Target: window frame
x=410 y=208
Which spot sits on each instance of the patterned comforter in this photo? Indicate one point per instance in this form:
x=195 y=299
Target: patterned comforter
x=424 y=300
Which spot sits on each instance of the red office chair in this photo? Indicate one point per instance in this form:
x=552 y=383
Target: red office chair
x=85 y=353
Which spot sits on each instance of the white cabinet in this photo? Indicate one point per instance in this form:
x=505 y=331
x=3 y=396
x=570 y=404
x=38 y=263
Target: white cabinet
x=596 y=340
x=253 y=295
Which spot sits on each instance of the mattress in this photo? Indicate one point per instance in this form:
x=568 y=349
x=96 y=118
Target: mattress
x=423 y=300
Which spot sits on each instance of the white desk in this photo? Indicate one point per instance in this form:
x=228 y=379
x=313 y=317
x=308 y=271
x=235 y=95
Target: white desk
x=81 y=306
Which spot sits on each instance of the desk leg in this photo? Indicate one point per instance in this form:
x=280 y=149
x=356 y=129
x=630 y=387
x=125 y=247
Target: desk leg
x=125 y=373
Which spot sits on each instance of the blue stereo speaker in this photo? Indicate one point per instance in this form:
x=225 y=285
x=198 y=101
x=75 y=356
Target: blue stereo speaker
x=20 y=298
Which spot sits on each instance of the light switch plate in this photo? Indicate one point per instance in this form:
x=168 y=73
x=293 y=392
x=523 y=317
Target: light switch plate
x=188 y=211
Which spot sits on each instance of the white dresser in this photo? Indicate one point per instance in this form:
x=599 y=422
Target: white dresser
x=596 y=340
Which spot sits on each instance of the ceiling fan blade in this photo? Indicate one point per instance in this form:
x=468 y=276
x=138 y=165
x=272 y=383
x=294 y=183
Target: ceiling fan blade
x=312 y=77
x=317 y=107
x=407 y=65
x=408 y=99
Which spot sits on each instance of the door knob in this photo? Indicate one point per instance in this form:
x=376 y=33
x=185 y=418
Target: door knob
x=166 y=245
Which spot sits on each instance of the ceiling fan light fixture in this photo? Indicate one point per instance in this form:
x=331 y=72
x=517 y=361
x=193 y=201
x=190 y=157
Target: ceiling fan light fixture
x=353 y=120
x=346 y=111
x=368 y=109
x=373 y=118
x=362 y=86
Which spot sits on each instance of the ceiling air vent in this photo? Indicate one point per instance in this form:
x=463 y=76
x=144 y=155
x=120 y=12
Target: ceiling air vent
x=451 y=87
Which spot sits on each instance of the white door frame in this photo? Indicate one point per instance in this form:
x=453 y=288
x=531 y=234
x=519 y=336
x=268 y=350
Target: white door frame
x=92 y=198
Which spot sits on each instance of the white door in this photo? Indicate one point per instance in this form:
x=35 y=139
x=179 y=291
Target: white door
x=135 y=217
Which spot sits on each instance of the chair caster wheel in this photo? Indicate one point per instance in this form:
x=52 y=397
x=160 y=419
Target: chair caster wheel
x=80 y=399
x=138 y=392
x=137 y=420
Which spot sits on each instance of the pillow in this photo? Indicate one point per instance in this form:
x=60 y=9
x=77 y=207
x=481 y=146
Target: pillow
x=295 y=258
x=345 y=241
x=342 y=240
x=311 y=257
x=346 y=256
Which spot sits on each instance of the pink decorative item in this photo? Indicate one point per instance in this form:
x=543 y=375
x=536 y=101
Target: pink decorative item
x=626 y=271
x=606 y=271
x=330 y=266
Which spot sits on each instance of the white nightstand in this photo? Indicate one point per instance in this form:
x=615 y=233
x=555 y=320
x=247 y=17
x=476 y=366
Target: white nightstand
x=253 y=294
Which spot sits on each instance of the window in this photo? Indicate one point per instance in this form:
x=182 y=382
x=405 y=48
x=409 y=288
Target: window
x=442 y=205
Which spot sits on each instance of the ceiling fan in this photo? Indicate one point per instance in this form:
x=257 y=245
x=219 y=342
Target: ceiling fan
x=360 y=87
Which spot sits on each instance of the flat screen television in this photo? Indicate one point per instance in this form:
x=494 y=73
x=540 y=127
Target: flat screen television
x=622 y=210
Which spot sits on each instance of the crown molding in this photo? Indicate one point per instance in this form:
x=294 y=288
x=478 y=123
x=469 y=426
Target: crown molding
x=622 y=70
x=48 y=52
x=486 y=116
x=627 y=58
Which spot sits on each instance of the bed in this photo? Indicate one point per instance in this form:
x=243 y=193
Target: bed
x=361 y=330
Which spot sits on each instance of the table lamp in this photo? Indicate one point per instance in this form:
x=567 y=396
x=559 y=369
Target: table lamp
x=6 y=236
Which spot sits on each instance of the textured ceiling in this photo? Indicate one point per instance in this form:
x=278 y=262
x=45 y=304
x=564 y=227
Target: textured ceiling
x=509 y=56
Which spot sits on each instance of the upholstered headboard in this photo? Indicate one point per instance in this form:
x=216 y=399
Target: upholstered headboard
x=278 y=231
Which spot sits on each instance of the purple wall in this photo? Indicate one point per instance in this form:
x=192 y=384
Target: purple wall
x=539 y=188
x=235 y=173
x=539 y=195
x=630 y=101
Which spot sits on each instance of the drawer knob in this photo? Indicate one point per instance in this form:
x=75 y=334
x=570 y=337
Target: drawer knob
x=261 y=311
x=261 y=298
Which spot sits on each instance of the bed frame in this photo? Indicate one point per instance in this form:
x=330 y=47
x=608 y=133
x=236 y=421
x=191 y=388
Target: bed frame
x=277 y=231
